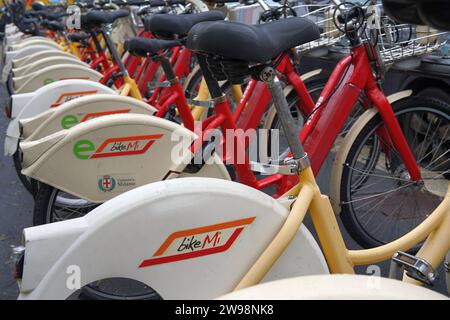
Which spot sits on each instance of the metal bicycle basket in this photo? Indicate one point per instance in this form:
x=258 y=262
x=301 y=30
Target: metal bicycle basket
x=398 y=42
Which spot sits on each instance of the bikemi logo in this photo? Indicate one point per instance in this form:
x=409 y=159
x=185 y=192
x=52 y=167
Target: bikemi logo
x=106 y=183
x=68 y=96
x=198 y=242
x=114 y=147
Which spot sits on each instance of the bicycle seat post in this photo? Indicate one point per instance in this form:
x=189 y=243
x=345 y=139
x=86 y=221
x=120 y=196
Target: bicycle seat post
x=106 y=32
x=268 y=75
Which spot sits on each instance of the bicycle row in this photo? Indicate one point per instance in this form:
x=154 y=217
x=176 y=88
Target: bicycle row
x=185 y=157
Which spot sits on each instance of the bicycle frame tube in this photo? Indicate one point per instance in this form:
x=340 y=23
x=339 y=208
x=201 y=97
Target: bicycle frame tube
x=103 y=59
x=339 y=258
x=306 y=105
x=108 y=74
x=342 y=260
x=437 y=245
x=175 y=94
x=90 y=52
x=252 y=105
x=351 y=76
x=248 y=114
x=180 y=61
x=133 y=65
x=354 y=75
x=393 y=127
x=331 y=84
x=242 y=103
x=74 y=49
x=250 y=118
x=134 y=90
x=136 y=67
x=147 y=77
x=202 y=95
x=242 y=166
x=99 y=58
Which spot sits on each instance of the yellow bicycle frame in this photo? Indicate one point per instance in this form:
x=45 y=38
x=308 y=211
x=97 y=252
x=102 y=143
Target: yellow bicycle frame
x=339 y=259
x=130 y=88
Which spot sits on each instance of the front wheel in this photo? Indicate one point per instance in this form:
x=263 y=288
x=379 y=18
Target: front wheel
x=379 y=202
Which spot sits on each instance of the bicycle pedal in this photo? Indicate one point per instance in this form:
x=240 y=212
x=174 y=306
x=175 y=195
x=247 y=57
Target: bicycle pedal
x=198 y=103
x=415 y=267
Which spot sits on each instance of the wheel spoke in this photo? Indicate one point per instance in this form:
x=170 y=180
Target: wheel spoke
x=381 y=199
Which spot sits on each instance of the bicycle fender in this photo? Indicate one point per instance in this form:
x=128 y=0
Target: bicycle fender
x=73 y=112
x=50 y=96
x=158 y=224
x=26 y=52
x=46 y=62
x=34 y=42
x=109 y=155
x=51 y=74
x=18 y=63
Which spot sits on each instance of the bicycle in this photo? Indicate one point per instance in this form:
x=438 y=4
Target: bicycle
x=249 y=238
x=319 y=133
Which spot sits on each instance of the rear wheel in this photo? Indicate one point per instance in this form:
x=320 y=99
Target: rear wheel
x=379 y=202
x=17 y=159
x=118 y=289
x=53 y=205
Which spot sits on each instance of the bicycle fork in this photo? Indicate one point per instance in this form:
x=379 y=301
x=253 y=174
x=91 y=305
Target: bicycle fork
x=393 y=129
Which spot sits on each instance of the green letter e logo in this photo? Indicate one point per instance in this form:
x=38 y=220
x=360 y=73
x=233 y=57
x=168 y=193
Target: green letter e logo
x=68 y=122
x=48 y=81
x=82 y=149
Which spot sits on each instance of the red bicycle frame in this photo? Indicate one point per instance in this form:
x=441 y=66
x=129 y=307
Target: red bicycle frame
x=352 y=75
x=350 y=78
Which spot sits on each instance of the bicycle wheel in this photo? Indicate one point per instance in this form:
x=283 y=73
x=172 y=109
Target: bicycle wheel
x=379 y=203
x=17 y=159
x=53 y=205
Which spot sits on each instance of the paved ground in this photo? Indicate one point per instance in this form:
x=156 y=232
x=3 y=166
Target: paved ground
x=16 y=207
